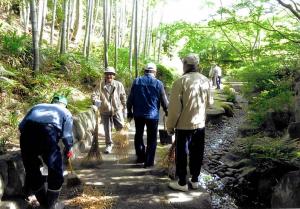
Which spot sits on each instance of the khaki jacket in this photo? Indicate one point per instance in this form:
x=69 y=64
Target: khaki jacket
x=110 y=102
x=190 y=96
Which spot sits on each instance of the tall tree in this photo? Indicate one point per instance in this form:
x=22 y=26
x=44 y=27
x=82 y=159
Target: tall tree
x=105 y=33
x=64 y=28
x=43 y=14
x=116 y=34
x=294 y=7
x=136 y=39
x=25 y=13
x=35 y=41
x=53 y=21
x=78 y=22
x=131 y=34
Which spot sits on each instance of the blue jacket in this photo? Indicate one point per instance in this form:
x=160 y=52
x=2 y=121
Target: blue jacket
x=146 y=95
x=54 y=114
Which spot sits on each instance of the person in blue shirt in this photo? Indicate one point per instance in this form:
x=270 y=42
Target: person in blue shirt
x=41 y=129
x=146 y=95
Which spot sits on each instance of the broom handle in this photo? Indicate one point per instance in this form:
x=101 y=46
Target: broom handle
x=70 y=165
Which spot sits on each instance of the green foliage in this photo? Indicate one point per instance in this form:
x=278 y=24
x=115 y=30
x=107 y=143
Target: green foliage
x=13 y=119
x=14 y=44
x=257 y=147
x=167 y=75
x=230 y=94
x=80 y=106
x=3 y=144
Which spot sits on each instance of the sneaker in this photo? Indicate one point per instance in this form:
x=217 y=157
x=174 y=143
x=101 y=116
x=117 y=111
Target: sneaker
x=58 y=205
x=176 y=186
x=108 y=149
x=195 y=185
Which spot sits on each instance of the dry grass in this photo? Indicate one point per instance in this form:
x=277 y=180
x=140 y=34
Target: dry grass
x=167 y=160
x=92 y=198
x=121 y=142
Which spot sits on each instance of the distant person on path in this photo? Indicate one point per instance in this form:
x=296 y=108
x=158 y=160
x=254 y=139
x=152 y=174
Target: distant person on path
x=216 y=74
x=146 y=95
x=110 y=97
x=190 y=96
x=41 y=130
x=213 y=75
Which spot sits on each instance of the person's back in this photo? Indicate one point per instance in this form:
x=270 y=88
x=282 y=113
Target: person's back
x=146 y=96
x=194 y=90
x=47 y=113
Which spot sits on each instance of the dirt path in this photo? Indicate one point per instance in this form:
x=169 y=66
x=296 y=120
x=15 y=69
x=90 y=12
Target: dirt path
x=131 y=186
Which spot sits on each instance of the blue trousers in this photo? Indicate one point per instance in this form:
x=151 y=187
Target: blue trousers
x=41 y=140
x=189 y=143
x=146 y=154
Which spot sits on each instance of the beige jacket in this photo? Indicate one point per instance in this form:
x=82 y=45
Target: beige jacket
x=110 y=102
x=190 y=96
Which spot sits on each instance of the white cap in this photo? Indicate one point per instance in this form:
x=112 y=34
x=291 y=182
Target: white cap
x=150 y=66
x=191 y=59
x=110 y=70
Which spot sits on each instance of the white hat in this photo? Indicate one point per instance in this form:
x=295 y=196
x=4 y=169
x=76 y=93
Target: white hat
x=191 y=59
x=150 y=66
x=110 y=70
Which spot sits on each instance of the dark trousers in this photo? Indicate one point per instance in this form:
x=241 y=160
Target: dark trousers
x=189 y=143
x=218 y=82
x=41 y=140
x=145 y=154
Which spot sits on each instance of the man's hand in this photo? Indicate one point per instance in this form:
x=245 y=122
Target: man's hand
x=98 y=103
x=166 y=113
x=171 y=132
x=129 y=116
x=69 y=154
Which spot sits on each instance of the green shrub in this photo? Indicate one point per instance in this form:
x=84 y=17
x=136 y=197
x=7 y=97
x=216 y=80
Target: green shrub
x=13 y=44
x=256 y=147
x=230 y=95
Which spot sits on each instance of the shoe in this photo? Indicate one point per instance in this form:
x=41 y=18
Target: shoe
x=139 y=161
x=108 y=149
x=195 y=185
x=58 y=205
x=176 y=186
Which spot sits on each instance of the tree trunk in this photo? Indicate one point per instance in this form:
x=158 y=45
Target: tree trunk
x=146 y=32
x=116 y=34
x=53 y=21
x=131 y=35
x=78 y=21
x=136 y=39
x=35 y=42
x=63 y=29
x=25 y=13
x=141 y=25
x=105 y=33
x=43 y=20
x=109 y=22
x=90 y=28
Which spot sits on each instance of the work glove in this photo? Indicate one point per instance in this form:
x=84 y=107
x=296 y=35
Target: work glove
x=69 y=154
x=98 y=103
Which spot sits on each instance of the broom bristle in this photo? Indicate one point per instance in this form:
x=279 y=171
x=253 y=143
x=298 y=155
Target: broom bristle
x=121 y=142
